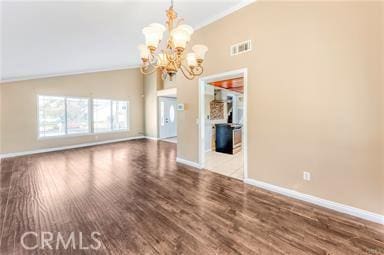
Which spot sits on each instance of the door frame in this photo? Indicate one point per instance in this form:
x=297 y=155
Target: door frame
x=165 y=98
x=222 y=76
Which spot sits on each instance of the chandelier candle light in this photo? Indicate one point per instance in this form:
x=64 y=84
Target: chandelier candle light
x=173 y=57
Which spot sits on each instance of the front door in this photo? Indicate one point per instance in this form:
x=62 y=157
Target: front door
x=167 y=107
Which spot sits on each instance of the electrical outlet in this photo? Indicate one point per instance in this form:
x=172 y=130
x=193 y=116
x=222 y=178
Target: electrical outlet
x=306 y=176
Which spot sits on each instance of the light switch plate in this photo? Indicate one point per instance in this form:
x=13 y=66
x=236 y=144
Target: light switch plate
x=180 y=107
x=306 y=176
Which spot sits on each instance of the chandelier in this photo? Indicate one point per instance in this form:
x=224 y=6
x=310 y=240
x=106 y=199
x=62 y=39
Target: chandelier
x=173 y=57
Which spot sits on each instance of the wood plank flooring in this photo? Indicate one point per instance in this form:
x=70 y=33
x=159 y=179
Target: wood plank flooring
x=141 y=202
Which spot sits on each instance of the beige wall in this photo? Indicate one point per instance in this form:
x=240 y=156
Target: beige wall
x=314 y=96
x=382 y=91
x=1 y=125
x=19 y=110
x=152 y=83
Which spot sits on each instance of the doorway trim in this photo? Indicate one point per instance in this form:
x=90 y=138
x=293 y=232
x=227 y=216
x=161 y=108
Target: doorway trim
x=165 y=99
x=222 y=76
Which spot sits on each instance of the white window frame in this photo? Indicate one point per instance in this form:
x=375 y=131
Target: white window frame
x=38 y=117
x=111 y=103
x=89 y=117
x=127 y=116
x=91 y=131
x=65 y=118
x=93 y=115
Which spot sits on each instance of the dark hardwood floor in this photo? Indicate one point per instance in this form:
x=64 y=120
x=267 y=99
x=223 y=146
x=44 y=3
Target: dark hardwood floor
x=141 y=202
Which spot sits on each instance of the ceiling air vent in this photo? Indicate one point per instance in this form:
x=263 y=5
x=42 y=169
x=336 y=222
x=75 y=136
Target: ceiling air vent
x=241 y=47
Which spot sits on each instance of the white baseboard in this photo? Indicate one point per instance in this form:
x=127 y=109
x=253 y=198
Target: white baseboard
x=151 y=138
x=374 y=217
x=23 y=153
x=168 y=141
x=189 y=163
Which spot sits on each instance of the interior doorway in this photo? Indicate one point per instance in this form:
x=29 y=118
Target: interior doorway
x=223 y=125
x=167 y=119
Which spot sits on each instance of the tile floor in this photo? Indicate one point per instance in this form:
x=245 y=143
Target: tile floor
x=225 y=164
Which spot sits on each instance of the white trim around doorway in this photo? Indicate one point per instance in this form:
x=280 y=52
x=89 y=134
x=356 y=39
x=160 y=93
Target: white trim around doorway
x=222 y=76
x=172 y=92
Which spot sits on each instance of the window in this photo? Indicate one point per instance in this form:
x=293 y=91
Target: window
x=51 y=116
x=77 y=115
x=172 y=113
x=60 y=116
x=102 y=115
x=119 y=115
x=110 y=115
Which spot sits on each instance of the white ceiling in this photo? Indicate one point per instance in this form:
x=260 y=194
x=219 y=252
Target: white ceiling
x=61 y=37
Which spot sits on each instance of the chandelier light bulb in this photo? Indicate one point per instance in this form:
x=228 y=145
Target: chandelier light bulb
x=144 y=52
x=159 y=28
x=152 y=37
x=200 y=51
x=186 y=28
x=191 y=59
x=180 y=38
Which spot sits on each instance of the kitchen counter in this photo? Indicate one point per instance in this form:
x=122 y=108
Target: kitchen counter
x=228 y=138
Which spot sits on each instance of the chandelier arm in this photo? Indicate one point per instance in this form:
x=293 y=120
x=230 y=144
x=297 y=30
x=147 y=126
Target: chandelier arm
x=187 y=74
x=154 y=61
x=199 y=70
x=143 y=71
x=152 y=64
x=151 y=57
x=173 y=57
x=177 y=57
x=189 y=70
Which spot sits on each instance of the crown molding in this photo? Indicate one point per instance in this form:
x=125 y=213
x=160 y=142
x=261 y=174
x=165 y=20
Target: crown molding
x=221 y=15
x=44 y=76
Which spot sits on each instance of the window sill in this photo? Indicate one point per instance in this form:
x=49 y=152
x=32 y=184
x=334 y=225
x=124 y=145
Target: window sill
x=81 y=135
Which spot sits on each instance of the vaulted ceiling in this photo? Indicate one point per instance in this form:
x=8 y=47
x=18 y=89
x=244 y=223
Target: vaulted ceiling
x=60 y=37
